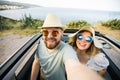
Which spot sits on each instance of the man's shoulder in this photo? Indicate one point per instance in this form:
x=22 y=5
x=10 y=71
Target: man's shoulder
x=66 y=46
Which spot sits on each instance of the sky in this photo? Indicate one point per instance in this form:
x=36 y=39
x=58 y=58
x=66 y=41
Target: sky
x=109 y=5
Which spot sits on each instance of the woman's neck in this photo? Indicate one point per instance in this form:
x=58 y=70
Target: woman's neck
x=81 y=52
x=82 y=56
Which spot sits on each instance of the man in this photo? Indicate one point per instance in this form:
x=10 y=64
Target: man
x=58 y=60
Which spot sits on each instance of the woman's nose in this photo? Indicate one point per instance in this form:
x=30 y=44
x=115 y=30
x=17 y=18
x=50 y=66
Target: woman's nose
x=83 y=40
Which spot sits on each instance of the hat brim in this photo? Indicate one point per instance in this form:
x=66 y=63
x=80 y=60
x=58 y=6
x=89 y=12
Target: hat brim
x=90 y=29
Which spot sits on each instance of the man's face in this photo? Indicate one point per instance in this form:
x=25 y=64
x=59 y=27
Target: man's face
x=52 y=37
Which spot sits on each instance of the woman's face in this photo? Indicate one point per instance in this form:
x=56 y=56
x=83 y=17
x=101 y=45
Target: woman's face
x=84 y=41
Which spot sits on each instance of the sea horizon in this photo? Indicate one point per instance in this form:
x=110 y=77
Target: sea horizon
x=65 y=14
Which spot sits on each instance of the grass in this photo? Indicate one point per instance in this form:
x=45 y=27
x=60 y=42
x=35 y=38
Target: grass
x=115 y=34
x=26 y=31
x=98 y=27
x=14 y=27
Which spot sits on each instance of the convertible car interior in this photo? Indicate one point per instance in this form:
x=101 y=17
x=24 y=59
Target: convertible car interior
x=18 y=66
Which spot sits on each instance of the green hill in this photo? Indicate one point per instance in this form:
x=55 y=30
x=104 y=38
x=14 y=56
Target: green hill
x=4 y=5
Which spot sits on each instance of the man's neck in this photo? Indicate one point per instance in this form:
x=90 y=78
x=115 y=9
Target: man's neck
x=51 y=50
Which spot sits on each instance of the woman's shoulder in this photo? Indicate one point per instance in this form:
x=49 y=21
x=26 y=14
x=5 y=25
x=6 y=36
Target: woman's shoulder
x=100 y=55
x=101 y=59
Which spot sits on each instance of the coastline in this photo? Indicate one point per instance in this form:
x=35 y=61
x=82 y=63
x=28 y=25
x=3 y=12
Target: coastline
x=9 y=7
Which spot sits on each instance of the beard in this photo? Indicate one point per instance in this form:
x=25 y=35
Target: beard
x=53 y=43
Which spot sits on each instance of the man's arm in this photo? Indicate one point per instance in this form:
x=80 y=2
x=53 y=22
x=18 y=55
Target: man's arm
x=35 y=69
x=76 y=71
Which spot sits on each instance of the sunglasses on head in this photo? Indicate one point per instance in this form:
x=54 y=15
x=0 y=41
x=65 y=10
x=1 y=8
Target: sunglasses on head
x=87 y=38
x=54 y=33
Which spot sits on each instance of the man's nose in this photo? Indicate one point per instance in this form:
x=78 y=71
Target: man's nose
x=49 y=35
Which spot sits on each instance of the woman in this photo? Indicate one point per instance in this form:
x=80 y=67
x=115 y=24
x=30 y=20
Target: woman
x=88 y=49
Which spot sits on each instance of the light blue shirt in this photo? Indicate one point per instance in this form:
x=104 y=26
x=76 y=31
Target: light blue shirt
x=52 y=63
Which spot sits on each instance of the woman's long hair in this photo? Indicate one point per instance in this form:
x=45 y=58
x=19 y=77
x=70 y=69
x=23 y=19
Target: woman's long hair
x=92 y=50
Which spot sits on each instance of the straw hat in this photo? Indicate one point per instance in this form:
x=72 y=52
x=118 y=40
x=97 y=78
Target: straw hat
x=96 y=42
x=52 y=21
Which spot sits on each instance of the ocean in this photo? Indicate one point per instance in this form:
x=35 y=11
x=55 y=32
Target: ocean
x=65 y=14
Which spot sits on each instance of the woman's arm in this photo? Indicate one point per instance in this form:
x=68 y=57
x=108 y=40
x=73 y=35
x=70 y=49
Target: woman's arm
x=102 y=72
x=101 y=63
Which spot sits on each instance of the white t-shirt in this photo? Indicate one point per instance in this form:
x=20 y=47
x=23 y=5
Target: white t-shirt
x=98 y=62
